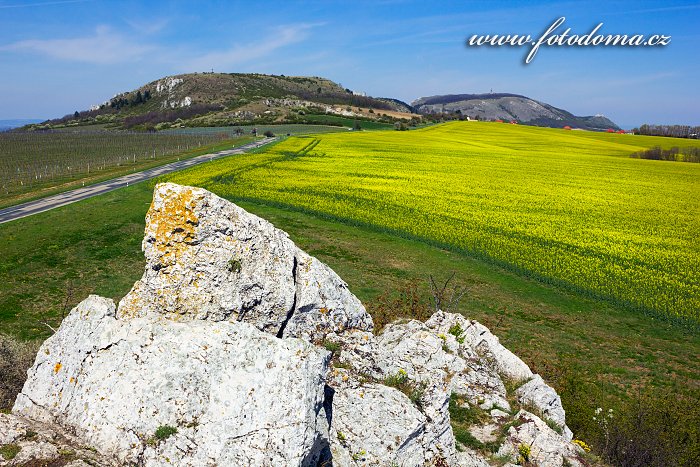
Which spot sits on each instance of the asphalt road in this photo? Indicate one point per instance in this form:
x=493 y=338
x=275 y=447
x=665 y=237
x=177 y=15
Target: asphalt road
x=61 y=199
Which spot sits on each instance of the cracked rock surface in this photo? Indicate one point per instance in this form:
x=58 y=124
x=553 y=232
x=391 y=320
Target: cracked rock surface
x=214 y=358
x=236 y=395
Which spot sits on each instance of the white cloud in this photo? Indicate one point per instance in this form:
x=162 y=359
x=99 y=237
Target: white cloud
x=240 y=53
x=105 y=47
x=150 y=27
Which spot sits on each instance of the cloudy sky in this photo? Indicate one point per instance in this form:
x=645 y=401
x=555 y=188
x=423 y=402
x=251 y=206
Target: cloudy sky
x=60 y=56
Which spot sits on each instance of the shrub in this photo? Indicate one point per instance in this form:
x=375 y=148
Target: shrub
x=582 y=445
x=675 y=154
x=234 y=265
x=406 y=302
x=524 y=451
x=652 y=428
x=397 y=380
x=15 y=359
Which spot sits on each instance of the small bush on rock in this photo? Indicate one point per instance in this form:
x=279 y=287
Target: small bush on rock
x=403 y=383
x=162 y=433
x=332 y=347
x=457 y=331
x=165 y=431
x=406 y=302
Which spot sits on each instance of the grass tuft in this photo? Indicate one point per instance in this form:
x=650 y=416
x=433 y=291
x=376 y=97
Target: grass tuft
x=9 y=451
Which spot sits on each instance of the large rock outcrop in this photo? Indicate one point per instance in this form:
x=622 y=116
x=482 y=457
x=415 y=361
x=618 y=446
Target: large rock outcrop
x=208 y=259
x=235 y=395
x=213 y=358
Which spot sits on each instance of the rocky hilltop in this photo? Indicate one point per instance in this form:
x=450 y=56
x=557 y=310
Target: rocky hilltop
x=237 y=348
x=221 y=99
x=508 y=107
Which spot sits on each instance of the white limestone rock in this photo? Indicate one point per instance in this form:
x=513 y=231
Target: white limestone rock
x=547 y=448
x=206 y=258
x=545 y=399
x=434 y=363
x=324 y=304
x=168 y=84
x=376 y=425
x=469 y=458
x=451 y=355
x=478 y=337
x=236 y=395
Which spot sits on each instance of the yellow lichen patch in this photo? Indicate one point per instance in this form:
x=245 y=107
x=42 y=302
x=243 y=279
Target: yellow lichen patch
x=131 y=305
x=57 y=367
x=173 y=225
x=323 y=310
x=72 y=380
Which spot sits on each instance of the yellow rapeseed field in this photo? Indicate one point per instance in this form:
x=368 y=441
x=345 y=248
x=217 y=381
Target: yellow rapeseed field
x=566 y=207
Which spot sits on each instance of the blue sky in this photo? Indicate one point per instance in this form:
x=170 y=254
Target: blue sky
x=60 y=56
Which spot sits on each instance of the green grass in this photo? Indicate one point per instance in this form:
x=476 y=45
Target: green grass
x=569 y=209
x=53 y=260
x=9 y=451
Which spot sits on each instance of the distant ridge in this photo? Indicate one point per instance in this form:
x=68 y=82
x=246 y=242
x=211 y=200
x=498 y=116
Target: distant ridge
x=510 y=107
x=16 y=123
x=450 y=98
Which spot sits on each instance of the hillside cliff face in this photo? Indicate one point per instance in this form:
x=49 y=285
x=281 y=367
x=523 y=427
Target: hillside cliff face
x=509 y=107
x=219 y=356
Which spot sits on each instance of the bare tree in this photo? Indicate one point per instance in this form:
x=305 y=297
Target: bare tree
x=445 y=298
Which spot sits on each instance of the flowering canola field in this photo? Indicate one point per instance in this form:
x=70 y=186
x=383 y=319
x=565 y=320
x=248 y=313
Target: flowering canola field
x=566 y=207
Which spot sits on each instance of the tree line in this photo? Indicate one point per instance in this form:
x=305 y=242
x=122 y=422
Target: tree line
x=674 y=131
x=673 y=154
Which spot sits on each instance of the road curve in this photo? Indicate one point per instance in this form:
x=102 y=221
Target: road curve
x=68 y=197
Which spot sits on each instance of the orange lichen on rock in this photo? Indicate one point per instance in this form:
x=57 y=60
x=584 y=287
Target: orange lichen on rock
x=173 y=225
x=131 y=305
